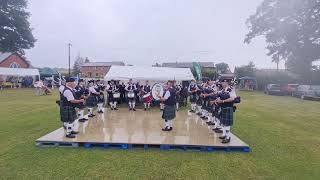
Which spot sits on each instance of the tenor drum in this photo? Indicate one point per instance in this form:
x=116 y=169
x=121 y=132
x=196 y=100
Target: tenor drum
x=130 y=94
x=116 y=95
x=157 y=89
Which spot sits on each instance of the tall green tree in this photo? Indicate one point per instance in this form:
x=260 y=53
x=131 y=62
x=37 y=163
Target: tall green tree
x=292 y=32
x=222 y=68
x=246 y=70
x=15 y=31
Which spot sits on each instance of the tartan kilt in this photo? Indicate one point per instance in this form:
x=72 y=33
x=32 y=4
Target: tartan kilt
x=68 y=114
x=193 y=98
x=91 y=101
x=215 y=111
x=226 y=116
x=80 y=106
x=169 y=112
x=199 y=101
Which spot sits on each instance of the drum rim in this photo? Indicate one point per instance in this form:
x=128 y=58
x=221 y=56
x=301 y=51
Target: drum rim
x=152 y=89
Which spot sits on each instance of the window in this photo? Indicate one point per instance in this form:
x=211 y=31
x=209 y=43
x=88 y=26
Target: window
x=97 y=75
x=90 y=74
x=14 y=65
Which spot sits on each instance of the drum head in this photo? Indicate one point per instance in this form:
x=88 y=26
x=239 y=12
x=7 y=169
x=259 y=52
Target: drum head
x=157 y=89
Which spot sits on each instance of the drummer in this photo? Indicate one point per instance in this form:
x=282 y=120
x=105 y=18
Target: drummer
x=131 y=88
x=146 y=90
x=113 y=95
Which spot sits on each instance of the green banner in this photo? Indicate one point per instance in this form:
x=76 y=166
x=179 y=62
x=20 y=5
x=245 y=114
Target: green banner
x=197 y=69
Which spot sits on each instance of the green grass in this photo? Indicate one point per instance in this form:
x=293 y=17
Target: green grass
x=283 y=132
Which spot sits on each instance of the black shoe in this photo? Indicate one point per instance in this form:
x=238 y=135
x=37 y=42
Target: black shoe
x=83 y=120
x=90 y=115
x=130 y=109
x=170 y=129
x=165 y=128
x=222 y=137
x=70 y=136
x=134 y=109
x=225 y=141
x=115 y=109
x=218 y=131
x=192 y=111
x=74 y=132
x=112 y=109
x=210 y=123
x=199 y=114
x=177 y=109
x=145 y=109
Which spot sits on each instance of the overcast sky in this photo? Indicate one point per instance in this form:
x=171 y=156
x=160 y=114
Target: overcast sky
x=142 y=32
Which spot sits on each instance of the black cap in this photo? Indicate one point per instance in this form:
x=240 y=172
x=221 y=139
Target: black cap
x=70 y=79
x=81 y=80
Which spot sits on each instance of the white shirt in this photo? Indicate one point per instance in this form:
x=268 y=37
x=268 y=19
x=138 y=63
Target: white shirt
x=92 y=90
x=232 y=93
x=61 y=88
x=68 y=94
x=167 y=95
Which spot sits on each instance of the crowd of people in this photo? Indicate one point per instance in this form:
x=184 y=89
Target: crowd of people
x=212 y=101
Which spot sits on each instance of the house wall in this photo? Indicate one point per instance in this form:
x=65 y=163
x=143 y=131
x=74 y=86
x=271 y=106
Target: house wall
x=94 y=72
x=14 y=59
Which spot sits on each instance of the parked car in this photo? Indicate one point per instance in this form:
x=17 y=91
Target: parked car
x=288 y=89
x=308 y=92
x=273 y=89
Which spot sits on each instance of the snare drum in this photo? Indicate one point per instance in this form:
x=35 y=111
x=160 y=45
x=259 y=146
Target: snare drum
x=130 y=94
x=116 y=95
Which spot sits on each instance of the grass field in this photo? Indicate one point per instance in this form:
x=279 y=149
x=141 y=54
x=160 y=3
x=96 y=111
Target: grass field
x=283 y=132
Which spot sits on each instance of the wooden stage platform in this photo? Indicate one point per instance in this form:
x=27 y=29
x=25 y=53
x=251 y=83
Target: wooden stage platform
x=142 y=129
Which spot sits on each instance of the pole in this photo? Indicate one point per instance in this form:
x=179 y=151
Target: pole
x=69 y=45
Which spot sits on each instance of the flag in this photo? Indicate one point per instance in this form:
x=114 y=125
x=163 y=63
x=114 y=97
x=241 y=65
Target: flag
x=197 y=68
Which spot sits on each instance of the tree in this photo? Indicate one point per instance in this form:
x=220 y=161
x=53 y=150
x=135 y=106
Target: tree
x=292 y=32
x=77 y=65
x=15 y=31
x=222 y=68
x=246 y=70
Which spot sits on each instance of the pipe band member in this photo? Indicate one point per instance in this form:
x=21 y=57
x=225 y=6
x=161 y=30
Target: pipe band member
x=226 y=101
x=81 y=93
x=113 y=95
x=169 y=111
x=67 y=108
x=192 y=89
x=92 y=99
x=100 y=98
x=131 y=88
x=178 y=89
x=147 y=98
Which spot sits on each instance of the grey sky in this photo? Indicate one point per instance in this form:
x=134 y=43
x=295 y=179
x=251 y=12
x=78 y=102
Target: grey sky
x=142 y=32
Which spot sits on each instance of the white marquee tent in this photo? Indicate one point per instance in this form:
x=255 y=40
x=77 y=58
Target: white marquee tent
x=19 y=72
x=138 y=73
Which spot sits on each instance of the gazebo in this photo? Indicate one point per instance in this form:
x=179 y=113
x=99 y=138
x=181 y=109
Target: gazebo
x=248 y=83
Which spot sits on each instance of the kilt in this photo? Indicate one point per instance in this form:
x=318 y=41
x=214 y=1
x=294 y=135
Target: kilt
x=100 y=99
x=91 y=101
x=226 y=116
x=193 y=98
x=199 y=101
x=216 y=111
x=80 y=106
x=169 y=112
x=68 y=114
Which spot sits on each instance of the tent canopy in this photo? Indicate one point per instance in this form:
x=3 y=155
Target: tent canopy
x=19 y=72
x=137 y=73
x=48 y=72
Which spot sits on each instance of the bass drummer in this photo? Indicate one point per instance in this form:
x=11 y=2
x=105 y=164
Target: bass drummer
x=130 y=89
x=113 y=95
x=147 y=98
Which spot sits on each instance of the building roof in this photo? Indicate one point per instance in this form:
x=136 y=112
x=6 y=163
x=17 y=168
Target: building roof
x=95 y=64
x=4 y=56
x=187 y=64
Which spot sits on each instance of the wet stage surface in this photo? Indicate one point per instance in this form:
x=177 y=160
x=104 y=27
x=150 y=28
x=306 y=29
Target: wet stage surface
x=143 y=127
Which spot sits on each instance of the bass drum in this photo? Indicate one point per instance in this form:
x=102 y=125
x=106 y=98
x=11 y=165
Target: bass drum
x=157 y=89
